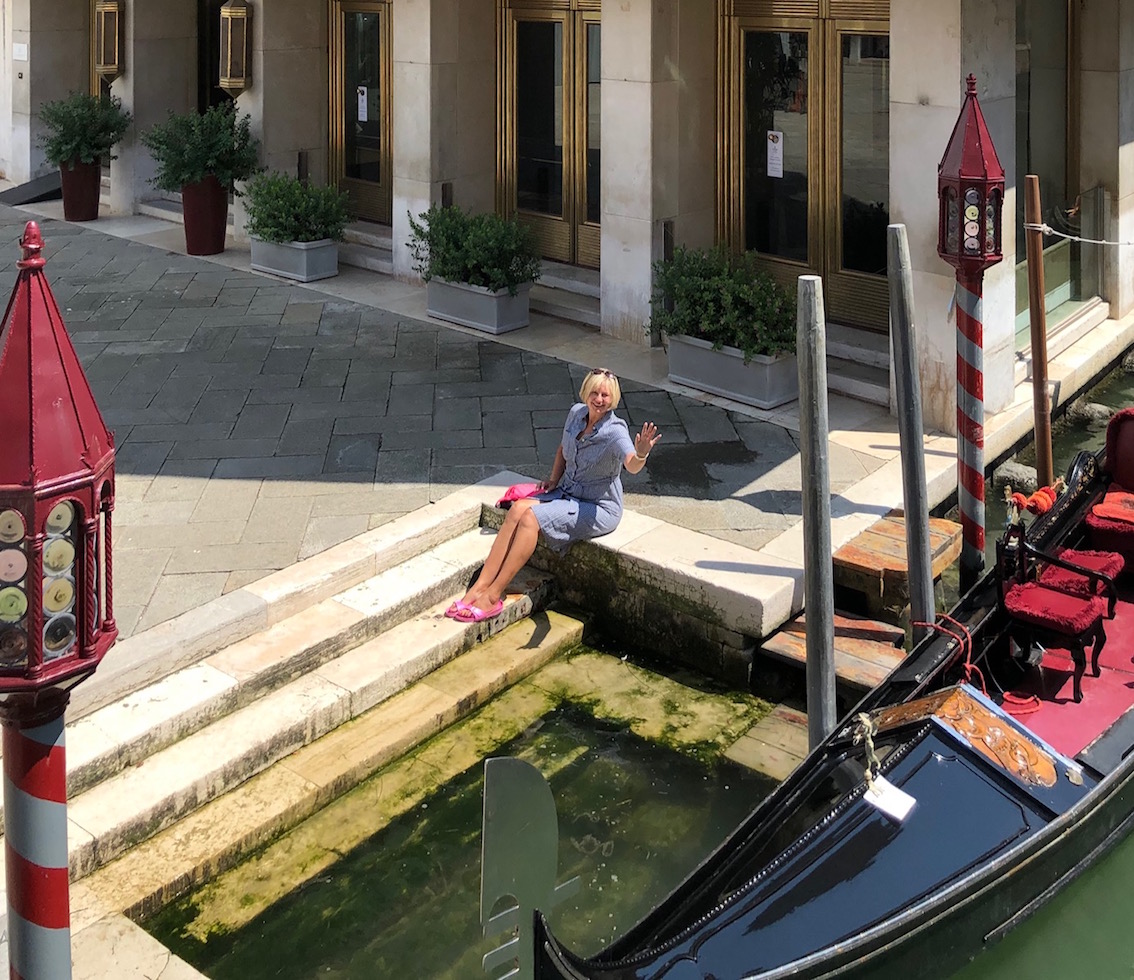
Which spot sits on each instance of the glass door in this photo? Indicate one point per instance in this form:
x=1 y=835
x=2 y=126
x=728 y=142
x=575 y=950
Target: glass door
x=806 y=183
x=551 y=133
x=360 y=156
x=857 y=193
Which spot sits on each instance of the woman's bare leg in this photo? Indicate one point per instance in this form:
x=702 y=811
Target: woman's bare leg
x=523 y=543
x=498 y=552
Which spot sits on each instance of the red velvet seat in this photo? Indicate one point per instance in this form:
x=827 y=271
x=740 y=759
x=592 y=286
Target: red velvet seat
x=1107 y=564
x=1039 y=612
x=1107 y=526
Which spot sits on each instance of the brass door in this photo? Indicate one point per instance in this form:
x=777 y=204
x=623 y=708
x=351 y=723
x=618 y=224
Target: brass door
x=805 y=160
x=550 y=143
x=360 y=157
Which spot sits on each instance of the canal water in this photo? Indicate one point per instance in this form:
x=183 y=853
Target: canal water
x=635 y=817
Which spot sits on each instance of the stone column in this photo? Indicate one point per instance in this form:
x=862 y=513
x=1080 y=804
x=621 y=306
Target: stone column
x=444 y=110
x=288 y=96
x=160 y=75
x=658 y=99
x=1106 y=130
x=934 y=45
x=57 y=44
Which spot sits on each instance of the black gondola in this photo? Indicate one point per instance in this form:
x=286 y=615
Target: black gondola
x=1016 y=794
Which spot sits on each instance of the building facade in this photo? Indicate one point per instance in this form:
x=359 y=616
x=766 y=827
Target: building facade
x=618 y=128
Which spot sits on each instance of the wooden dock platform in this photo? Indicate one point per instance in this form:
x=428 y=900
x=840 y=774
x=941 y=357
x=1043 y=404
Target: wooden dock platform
x=865 y=650
x=874 y=562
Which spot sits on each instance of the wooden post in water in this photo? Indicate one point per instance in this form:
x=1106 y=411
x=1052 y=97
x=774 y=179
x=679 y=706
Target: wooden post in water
x=919 y=558
x=818 y=572
x=1041 y=400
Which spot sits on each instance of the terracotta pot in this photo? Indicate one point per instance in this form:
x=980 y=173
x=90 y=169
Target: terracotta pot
x=205 y=209
x=81 y=185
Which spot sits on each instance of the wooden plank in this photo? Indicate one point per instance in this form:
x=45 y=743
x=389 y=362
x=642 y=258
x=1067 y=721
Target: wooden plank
x=865 y=650
x=874 y=561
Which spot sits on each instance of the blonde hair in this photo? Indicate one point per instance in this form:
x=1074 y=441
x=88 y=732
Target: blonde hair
x=594 y=378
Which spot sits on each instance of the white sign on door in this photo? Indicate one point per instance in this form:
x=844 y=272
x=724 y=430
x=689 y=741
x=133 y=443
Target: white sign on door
x=775 y=153
x=363 y=107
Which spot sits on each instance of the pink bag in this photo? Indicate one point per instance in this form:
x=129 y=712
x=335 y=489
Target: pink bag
x=518 y=491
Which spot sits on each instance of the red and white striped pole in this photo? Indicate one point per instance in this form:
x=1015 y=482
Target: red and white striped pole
x=35 y=837
x=970 y=423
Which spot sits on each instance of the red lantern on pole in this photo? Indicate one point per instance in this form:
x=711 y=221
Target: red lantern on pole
x=970 y=193
x=56 y=598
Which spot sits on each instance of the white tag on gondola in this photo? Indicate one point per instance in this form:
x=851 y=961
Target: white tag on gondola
x=895 y=803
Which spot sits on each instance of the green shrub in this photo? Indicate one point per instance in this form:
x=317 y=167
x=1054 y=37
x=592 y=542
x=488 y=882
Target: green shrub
x=480 y=249
x=189 y=147
x=282 y=208
x=82 y=127
x=724 y=299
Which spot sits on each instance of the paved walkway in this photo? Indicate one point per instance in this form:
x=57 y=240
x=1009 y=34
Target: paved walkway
x=260 y=422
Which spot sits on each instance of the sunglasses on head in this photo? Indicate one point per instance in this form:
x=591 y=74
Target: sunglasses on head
x=604 y=371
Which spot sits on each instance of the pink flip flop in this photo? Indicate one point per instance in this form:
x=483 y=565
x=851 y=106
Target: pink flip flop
x=474 y=614
x=455 y=610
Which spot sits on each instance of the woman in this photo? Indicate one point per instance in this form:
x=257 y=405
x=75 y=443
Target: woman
x=581 y=499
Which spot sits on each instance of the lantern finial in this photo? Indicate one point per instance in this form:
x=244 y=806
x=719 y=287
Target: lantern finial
x=32 y=245
x=970 y=84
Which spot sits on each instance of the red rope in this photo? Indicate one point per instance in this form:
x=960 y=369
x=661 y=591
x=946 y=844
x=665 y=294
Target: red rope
x=965 y=642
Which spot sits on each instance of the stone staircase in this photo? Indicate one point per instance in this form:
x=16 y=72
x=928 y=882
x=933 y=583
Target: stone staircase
x=349 y=664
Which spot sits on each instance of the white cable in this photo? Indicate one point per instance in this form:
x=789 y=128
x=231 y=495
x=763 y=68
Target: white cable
x=1048 y=230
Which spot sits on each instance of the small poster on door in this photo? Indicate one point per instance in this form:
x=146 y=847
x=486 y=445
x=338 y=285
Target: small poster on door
x=363 y=105
x=775 y=153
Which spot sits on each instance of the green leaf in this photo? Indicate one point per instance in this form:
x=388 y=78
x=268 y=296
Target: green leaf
x=82 y=127
x=724 y=299
x=480 y=249
x=189 y=147
x=282 y=208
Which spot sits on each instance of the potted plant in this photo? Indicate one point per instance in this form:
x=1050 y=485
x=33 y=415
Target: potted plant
x=730 y=326
x=81 y=130
x=479 y=267
x=295 y=227
x=203 y=155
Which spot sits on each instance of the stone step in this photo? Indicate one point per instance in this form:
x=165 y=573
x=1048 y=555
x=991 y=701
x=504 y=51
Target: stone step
x=857 y=379
x=567 y=304
x=144 y=722
x=217 y=835
x=249 y=721
x=146 y=657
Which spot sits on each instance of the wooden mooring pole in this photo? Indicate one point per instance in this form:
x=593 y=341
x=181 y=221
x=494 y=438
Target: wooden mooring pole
x=818 y=572
x=919 y=558
x=1037 y=315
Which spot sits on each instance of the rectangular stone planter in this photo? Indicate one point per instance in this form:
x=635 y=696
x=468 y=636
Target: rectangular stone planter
x=475 y=306
x=764 y=382
x=302 y=261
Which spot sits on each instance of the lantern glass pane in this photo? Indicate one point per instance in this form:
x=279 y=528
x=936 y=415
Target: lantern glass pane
x=13 y=589
x=992 y=223
x=59 y=578
x=236 y=47
x=952 y=222
x=106 y=38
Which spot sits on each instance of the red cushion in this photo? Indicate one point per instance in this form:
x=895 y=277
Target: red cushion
x=1110 y=535
x=1116 y=505
x=1051 y=609
x=1104 y=562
